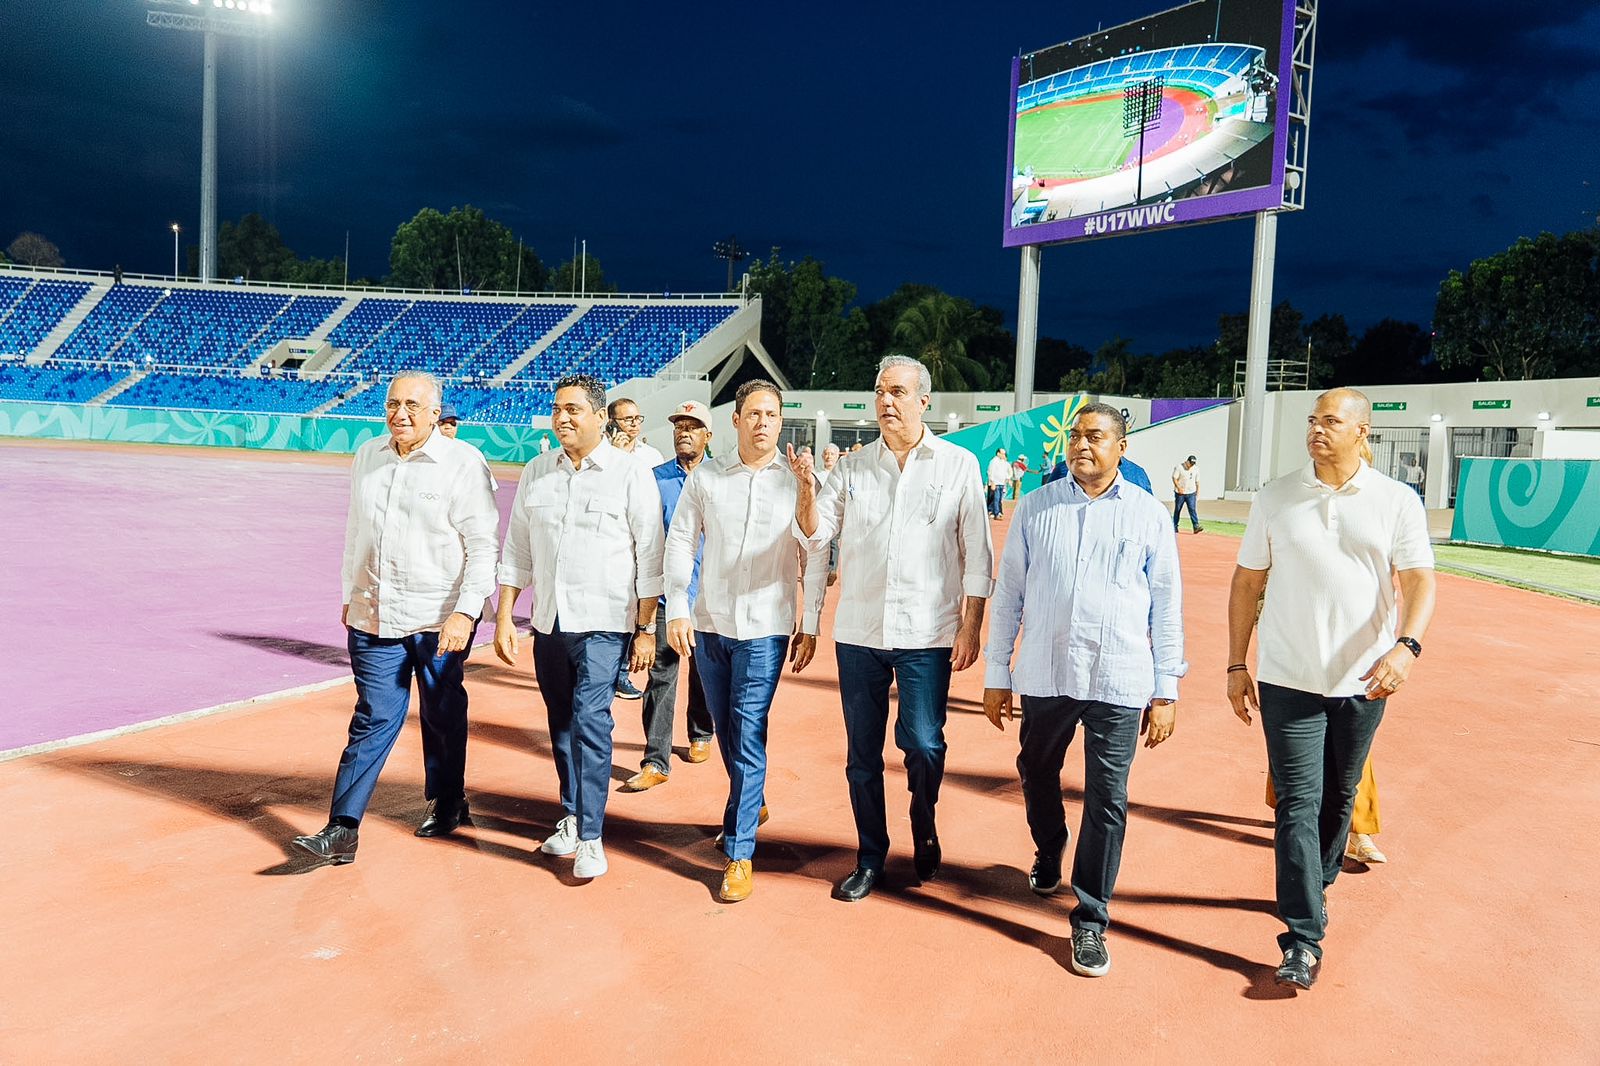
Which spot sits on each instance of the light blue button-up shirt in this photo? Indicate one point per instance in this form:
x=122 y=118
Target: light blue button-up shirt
x=1094 y=586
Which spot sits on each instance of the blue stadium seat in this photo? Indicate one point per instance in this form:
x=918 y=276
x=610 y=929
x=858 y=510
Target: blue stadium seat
x=48 y=383
x=31 y=314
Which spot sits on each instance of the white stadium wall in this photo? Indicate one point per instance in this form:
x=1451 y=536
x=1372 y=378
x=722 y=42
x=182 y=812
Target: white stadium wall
x=1203 y=434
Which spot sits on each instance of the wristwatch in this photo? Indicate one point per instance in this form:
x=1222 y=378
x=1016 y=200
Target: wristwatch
x=1413 y=646
x=650 y=629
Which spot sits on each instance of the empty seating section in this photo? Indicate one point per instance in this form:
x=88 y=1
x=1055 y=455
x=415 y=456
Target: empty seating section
x=432 y=335
x=1207 y=67
x=230 y=393
x=201 y=327
x=365 y=321
x=578 y=340
x=200 y=342
x=36 y=312
x=651 y=339
x=298 y=321
x=97 y=335
x=523 y=332
x=47 y=383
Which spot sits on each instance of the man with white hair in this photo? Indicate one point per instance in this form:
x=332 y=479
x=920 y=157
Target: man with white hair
x=419 y=561
x=830 y=459
x=915 y=566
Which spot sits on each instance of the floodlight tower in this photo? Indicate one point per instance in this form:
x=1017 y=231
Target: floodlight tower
x=729 y=249
x=214 y=18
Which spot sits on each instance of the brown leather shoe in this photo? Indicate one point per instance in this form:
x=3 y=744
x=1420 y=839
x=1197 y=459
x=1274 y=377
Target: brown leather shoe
x=737 y=881
x=647 y=778
x=761 y=820
x=699 y=751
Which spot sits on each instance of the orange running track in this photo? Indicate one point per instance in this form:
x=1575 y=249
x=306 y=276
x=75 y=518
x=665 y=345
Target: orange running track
x=154 y=913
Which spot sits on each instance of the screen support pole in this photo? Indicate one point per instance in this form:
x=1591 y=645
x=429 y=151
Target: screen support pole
x=1262 y=262
x=1027 y=327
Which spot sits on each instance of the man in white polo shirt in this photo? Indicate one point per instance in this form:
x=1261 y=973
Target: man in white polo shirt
x=1185 y=490
x=916 y=568
x=1333 y=536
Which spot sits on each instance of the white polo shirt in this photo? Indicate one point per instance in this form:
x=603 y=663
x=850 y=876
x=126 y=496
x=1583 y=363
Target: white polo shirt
x=1186 y=479
x=1331 y=607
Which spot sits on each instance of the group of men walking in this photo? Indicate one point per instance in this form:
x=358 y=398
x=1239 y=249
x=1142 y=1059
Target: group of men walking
x=723 y=561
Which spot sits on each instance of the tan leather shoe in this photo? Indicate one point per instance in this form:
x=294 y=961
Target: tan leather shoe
x=760 y=821
x=737 y=881
x=699 y=751
x=1359 y=846
x=647 y=778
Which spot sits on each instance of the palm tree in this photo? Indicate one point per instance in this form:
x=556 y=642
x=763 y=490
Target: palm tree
x=935 y=329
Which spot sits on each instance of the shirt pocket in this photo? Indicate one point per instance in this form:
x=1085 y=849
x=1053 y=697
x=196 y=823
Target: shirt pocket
x=1127 y=564
x=603 y=514
x=932 y=502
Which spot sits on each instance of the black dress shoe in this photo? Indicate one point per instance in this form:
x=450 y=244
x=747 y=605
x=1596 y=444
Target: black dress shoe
x=1045 y=877
x=925 y=858
x=444 y=817
x=858 y=886
x=1299 y=968
x=335 y=844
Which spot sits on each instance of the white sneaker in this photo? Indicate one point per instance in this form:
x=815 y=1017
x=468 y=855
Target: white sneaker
x=591 y=860
x=564 y=841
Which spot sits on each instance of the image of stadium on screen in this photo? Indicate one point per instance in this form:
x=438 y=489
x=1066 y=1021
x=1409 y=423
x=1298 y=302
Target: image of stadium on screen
x=1175 y=118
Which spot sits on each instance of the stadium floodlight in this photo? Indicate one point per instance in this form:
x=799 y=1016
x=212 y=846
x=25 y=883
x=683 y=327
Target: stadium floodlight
x=217 y=22
x=728 y=249
x=1141 y=111
x=174 y=251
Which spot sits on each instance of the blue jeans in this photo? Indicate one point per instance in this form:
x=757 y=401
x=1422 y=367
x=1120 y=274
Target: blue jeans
x=1180 y=500
x=1316 y=747
x=1110 y=737
x=997 y=495
x=383 y=668
x=577 y=673
x=923 y=675
x=740 y=677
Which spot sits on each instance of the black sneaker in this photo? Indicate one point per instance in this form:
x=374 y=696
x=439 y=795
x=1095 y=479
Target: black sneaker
x=1045 y=877
x=626 y=691
x=1089 y=955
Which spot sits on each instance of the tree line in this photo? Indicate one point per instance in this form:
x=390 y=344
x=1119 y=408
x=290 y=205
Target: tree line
x=1530 y=311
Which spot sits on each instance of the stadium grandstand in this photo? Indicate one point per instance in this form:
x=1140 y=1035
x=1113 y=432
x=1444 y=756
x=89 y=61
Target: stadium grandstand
x=85 y=338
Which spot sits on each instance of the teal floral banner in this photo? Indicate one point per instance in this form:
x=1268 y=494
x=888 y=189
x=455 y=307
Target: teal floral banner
x=297 y=433
x=1546 y=504
x=1040 y=434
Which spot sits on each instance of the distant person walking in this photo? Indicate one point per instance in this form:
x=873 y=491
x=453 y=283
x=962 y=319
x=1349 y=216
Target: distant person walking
x=1185 y=491
x=999 y=475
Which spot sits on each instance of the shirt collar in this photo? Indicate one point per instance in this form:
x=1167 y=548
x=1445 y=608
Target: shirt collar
x=600 y=458
x=930 y=441
x=1075 y=490
x=730 y=460
x=1362 y=477
x=430 y=447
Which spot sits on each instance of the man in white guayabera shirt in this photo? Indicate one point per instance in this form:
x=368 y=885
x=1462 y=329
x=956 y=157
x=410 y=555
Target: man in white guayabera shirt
x=419 y=556
x=740 y=627
x=916 y=567
x=1335 y=537
x=586 y=537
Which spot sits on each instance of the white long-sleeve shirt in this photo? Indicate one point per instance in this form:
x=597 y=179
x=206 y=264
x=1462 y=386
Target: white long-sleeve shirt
x=586 y=540
x=999 y=472
x=1095 y=587
x=752 y=557
x=419 y=542
x=913 y=543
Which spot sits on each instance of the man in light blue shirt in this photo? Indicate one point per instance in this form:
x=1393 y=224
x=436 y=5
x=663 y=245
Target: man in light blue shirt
x=1090 y=574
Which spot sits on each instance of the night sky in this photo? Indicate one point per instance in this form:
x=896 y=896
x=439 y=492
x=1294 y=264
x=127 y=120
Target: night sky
x=872 y=137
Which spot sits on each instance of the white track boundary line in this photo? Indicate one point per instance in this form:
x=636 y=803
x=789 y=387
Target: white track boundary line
x=188 y=716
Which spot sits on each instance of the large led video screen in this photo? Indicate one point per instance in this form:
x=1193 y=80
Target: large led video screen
x=1176 y=118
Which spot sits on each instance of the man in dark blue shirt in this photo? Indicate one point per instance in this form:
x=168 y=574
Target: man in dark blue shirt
x=691 y=433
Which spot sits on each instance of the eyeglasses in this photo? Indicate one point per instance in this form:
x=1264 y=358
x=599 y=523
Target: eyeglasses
x=631 y=419
x=411 y=406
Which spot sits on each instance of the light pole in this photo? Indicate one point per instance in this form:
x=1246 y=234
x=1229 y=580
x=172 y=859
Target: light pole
x=174 y=251
x=233 y=18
